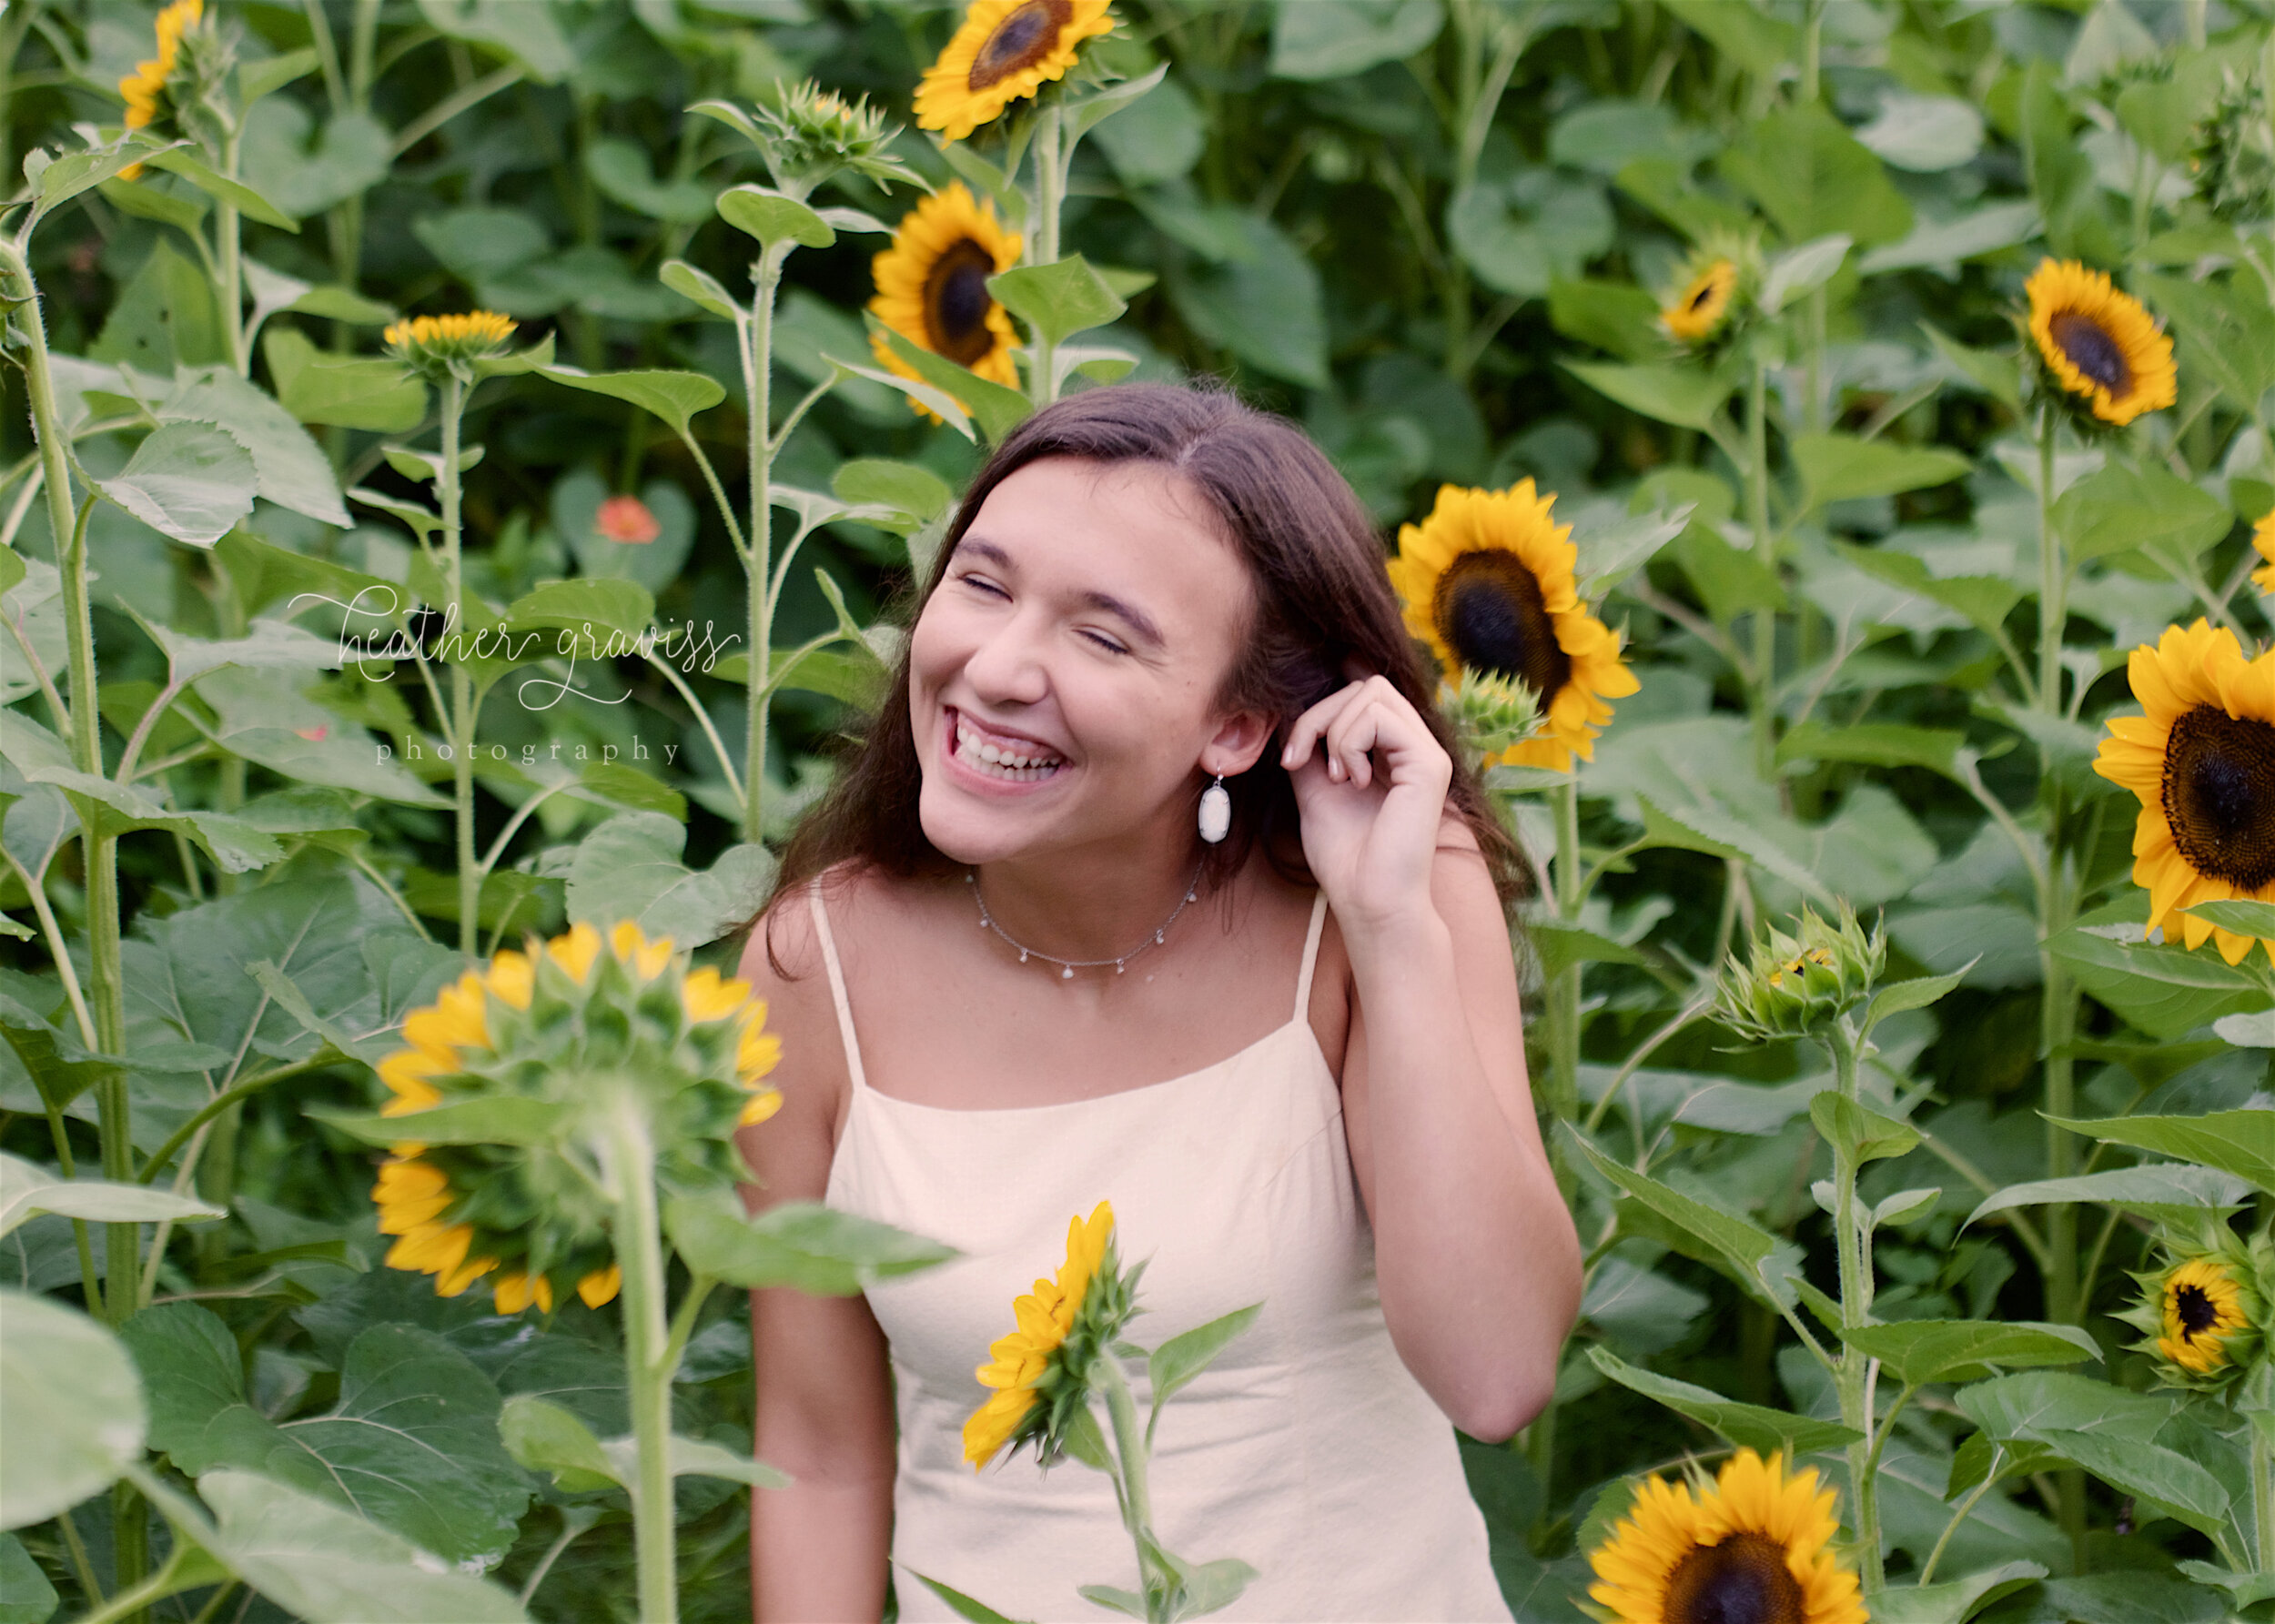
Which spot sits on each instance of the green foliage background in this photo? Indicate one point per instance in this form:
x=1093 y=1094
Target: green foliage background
x=1438 y=233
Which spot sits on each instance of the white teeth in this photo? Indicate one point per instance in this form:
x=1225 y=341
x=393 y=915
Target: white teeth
x=998 y=763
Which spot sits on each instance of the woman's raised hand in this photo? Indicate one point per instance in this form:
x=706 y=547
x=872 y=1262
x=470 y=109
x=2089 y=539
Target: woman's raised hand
x=1370 y=780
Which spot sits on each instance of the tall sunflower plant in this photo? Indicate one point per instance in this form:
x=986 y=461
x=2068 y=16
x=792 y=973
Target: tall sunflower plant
x=1763 y=1529
x=1067 y=1354
x=562 y=1123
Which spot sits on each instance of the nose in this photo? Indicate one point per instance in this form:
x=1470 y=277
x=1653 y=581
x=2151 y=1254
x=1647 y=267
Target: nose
x=1007 y=667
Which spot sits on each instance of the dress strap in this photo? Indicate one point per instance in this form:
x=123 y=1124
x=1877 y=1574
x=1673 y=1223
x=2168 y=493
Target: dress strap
x=837 y=983
x=1310 y=957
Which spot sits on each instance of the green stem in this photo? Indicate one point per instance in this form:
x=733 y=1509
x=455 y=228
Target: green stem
x=1927 y=1568
x=2263 y=1492
x=1852 y=1374
x=1050 y=179
x=165 y=1582
x=1765 y=548
x=226 y=229
x=640 y=1252
x=1129 y=1446
x=459 y=726
x=758 y=360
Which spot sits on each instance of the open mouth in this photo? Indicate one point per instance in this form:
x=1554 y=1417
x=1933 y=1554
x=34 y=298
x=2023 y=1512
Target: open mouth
x=1002 y=756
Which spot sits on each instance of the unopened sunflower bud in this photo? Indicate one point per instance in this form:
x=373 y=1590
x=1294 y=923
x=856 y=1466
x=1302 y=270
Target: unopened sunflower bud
x=2203 y=1313
x=1489 y=712
x=813 y=134
x=2232 y=159
x=1796 y=985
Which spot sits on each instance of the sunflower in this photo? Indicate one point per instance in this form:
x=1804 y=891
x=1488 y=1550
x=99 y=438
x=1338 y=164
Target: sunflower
x=1003 y=51
x=1697 y=311
x=2201 y=1307
x=1749 y=1548
x=2099 y=343
x=2202 y=761
x=2263 y=543
x=142 y=87
x=1486 y=581
x=932 y=287
x=434 y=346
x=568 y=1023
x=1041 y=1371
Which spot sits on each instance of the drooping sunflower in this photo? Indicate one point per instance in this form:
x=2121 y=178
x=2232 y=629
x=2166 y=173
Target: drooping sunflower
x=142 y=88
x=569 y=1025
x=2263 y=543
x=932 y=287
x=1751 y=1547
x=1487 y=581
x=1041 y=1371
x=1695 y=312
x=1003 y=51
x=2100 y=343
x=2202 y=757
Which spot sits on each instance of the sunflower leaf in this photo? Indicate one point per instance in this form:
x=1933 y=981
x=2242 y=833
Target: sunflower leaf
x=1752 y=1253
x=1749 y=1425
x=506 y=1119
x=1057 y=300
x=1683 y=396
x=2172 y=1192
x=799 y=1244
x=674 y=396
x=964 y=1607
x=997 y=409
x=1176 y=1362
x=1919 y=1351
x=1958 y=1601
x=71 y=1407
x=773 y=218
x=2238 y=1142
x=2244 y=917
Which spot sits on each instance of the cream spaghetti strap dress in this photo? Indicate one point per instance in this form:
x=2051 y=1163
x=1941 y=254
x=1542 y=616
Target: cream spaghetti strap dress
x=1307 y=1450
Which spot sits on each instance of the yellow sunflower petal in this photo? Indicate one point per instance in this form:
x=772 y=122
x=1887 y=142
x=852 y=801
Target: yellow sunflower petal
x=1003 y=52
x=2100 y=343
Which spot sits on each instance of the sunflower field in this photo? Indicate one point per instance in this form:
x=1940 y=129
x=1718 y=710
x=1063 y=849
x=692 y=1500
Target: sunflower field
x=462 y=469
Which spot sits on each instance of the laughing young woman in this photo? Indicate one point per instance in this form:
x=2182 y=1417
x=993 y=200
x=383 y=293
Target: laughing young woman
x=1021 y=964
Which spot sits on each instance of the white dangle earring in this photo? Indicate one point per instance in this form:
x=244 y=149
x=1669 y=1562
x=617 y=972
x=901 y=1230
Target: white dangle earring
x=1216 y=812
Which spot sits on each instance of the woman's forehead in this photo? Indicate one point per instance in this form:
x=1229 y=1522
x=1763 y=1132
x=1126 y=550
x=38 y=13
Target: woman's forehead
x=1137 y=524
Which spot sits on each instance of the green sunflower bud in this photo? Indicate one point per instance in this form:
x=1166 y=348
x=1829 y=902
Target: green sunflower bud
x=2202 y=1314
x=1491 y=713
x=812 y=135
x=2233 y=158
x=1797 y=985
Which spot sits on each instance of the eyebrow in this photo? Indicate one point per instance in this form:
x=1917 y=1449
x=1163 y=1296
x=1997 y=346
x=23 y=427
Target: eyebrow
x=1129 y=613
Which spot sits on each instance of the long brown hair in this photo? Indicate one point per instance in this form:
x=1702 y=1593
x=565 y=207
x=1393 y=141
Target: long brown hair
x=1322 y=597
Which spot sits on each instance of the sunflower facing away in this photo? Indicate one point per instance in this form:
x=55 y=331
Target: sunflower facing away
x=1699 y=308
x=1748 y=1549
x=1487 y=583
x=2201 y=759
x=1041 y=1371
x=142 y=87
x=434 y=346
x=1003 y=51
x=932 y=287
x=557 y=1025
x=2099 y=343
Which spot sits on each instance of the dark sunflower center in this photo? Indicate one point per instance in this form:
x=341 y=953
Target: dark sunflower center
x=1705 y=292
x=1742 y=1580
x=2220 y=796
x=956 y=300
x=2194 y=1310
x=1021 y=40
x=1489 y=610
x=2093 y=350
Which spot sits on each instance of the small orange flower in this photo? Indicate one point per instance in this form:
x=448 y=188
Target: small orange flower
x=628 y=519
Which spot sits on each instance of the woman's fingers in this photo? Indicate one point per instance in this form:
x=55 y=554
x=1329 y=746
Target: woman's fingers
x=1312 y=724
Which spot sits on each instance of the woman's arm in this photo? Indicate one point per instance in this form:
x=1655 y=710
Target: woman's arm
x=1479 y=1265
x=824 y=1406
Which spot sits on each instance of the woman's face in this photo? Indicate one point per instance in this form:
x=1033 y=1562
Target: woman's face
x=1062 y=677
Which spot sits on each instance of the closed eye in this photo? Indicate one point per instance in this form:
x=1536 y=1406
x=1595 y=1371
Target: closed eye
x=983 y=583
x=1105 y=642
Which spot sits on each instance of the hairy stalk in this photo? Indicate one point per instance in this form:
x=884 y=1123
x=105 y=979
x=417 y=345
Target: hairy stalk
x=1129 y=1447
x=1765 y=548
x=1050 y=186
x=460 y=724
x=640 y=1252
x=758 y=360
x=1852 y=1373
